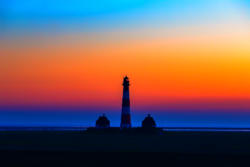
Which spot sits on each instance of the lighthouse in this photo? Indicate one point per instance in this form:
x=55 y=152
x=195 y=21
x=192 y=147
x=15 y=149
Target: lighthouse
x=125 y=117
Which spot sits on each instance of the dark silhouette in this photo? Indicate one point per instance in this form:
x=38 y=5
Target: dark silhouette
x=148 y=122
x=102 y=122
x=125 y=117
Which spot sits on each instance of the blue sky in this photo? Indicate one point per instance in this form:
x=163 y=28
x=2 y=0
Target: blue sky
x=20 y=15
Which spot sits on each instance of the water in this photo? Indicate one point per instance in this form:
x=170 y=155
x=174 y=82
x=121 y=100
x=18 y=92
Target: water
x=170 y=129
x=206 y=129
x=42 y=129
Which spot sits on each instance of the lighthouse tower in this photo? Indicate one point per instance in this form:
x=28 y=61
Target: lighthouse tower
x=125 y=118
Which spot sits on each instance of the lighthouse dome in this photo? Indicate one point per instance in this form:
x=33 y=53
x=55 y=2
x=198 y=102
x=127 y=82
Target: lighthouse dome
x=148 y=122
x=102 y=122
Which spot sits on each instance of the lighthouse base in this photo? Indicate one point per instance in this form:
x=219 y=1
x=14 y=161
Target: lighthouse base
x=125 y=126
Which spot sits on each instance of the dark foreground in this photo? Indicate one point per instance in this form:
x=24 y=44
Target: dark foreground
x=83 y=149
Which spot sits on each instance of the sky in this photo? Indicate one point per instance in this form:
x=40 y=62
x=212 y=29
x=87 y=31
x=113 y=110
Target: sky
x=62 y=62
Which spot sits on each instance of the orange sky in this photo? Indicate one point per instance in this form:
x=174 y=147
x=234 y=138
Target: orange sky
x=88 y=71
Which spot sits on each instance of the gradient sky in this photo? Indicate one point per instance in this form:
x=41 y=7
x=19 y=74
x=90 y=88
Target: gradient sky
x=62 y=62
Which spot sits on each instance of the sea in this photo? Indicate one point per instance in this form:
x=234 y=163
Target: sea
x=167 y=129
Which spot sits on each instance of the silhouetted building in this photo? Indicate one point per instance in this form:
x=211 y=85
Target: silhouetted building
x=102 y=122
x=148 y=122
x=125 y=117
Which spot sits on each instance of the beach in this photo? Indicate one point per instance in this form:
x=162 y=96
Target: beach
x=172 y=142
x=79 y=147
